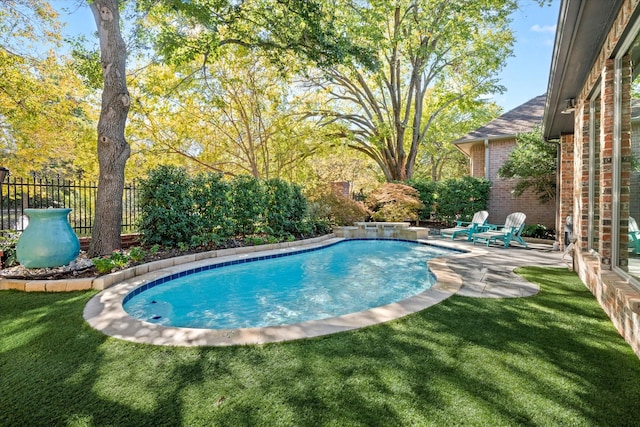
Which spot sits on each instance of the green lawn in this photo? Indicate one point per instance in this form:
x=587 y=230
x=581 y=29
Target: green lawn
x=549 y=360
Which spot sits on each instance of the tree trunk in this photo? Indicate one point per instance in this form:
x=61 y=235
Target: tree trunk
x=113 y=150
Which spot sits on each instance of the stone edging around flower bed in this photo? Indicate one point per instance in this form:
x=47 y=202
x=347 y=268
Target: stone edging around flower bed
x=103 y=282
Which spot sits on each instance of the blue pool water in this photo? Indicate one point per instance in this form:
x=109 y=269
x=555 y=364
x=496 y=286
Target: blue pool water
x=343 y=278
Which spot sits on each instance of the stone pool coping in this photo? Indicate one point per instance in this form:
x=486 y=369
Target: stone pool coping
x=103 y=282
x=105 y=313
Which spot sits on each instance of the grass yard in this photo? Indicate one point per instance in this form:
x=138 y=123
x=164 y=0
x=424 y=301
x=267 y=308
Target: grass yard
x=549 y=360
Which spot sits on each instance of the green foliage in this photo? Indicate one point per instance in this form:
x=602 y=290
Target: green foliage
x=188 y=30
x=212 y=206
x=427 y=193
x=205 y=211
x=433 y=56
x=207 y=240
x=87 y=63
x=8 y=242
x=248 y=203
x=103 y=265
x=330 y=208
x=167 y=204
x=537 y=231
x=533 y=164
x=116 y=260
x=394 y=202
x=460 y=198
x=137 y=254
x=286 y=207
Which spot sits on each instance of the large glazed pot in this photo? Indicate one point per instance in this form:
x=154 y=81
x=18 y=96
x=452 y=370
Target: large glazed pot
x=48 y=240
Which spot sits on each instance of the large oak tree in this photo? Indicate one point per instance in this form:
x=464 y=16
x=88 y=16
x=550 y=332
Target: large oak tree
x=447 y=50
x=194 y=30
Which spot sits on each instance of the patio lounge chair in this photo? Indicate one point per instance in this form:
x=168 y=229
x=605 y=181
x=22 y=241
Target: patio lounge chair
x=506 y=233
x=634 y=235
x=468 y=228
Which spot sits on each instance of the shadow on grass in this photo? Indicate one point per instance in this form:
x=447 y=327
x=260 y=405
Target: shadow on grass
x=551 y=359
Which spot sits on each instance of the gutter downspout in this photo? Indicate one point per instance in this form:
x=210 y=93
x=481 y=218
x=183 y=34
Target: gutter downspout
x=486 y=158
x=558 y=188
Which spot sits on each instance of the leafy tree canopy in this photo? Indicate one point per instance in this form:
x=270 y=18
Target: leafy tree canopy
x=186 y=30
x=44 y=124
x=533 y=165
x=431 y=55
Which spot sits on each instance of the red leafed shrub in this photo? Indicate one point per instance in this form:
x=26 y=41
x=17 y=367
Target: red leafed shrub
x=394 y=202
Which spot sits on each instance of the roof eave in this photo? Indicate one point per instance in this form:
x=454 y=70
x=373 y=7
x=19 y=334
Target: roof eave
x=581 y=30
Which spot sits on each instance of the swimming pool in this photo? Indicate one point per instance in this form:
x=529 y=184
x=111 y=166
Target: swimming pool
x=345 y=277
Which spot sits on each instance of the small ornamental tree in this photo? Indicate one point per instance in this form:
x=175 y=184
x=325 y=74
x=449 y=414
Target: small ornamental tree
x=330 y=207
x=394 y=202
x=533 y=165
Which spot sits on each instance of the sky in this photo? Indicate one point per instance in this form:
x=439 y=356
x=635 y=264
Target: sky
x=524 y=76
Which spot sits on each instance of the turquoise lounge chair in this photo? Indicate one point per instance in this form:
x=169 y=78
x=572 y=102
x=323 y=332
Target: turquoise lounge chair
x=506 y=233
x=634 y=236
x=468 y=228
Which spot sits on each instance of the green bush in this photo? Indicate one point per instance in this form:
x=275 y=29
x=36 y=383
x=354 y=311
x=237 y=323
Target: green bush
x=205 y=210
x=286 y=208
x=537 y=231
x=167 y=216
x=212 y=206
x=460 y=198
x=427 y=190
x=248 y=203
x=299 y=209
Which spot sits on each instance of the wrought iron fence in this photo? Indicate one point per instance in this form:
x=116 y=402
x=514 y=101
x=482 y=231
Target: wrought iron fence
x=80 y=196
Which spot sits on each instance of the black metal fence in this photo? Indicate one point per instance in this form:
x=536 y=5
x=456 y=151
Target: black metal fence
x=20 y=193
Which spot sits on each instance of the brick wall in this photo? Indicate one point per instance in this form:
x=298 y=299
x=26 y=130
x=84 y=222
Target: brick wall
x=477 y=160
x=502 y=202
x=594 y=263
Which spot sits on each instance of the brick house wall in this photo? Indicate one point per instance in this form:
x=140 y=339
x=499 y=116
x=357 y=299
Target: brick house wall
x=501 y=200
x=593 y=228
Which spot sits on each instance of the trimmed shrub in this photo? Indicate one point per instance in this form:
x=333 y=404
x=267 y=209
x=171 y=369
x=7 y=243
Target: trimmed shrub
x=427 y=190
x=212 y=207
x=248 y=203
x=286 y=208
x=167 y=216
x=459 y=199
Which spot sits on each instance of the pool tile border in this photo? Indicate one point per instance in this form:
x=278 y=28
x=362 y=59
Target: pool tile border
x=236 y=261
x=105 y=311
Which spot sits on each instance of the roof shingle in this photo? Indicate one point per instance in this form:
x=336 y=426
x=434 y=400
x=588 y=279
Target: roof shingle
x=523 y=118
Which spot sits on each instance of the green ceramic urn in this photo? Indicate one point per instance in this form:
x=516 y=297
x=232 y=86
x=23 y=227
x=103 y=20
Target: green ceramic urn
x=48 y=240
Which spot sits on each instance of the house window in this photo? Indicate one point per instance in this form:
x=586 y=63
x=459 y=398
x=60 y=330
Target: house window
x=627 y=188
x=594 y=172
